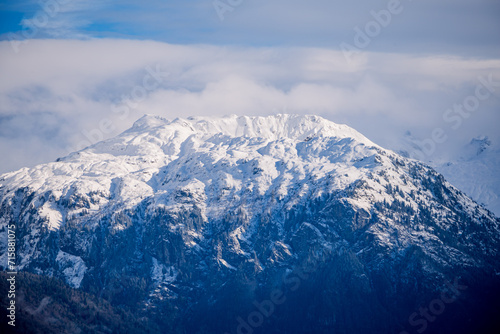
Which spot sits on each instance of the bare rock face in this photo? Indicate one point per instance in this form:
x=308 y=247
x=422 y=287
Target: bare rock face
x=281 y=224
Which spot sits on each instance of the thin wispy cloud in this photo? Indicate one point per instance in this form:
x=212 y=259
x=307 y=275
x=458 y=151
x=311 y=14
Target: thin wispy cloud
x=462 y=27
x=60 y=18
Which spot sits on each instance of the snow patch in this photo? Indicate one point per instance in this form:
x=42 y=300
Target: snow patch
x=54 y=217
x=161 y=273
x=74 y=268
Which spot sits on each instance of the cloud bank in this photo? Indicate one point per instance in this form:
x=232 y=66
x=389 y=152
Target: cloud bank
x=57 y=96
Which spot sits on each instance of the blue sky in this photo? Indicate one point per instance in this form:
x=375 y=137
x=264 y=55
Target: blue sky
x=462 y=27
x=66 y=68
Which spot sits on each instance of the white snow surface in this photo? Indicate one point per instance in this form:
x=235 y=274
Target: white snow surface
x=161 y=273
x=74 y=268
x=52 y=214
x=478 y=175
x=159 y=158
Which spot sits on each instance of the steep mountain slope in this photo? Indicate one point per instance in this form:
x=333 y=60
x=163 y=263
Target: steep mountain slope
x=203 y=224
x=47 y=306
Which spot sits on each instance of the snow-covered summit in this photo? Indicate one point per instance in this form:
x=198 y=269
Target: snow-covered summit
x=160 y=140
x=156 y=156
x=275 y=127
x=477 y=146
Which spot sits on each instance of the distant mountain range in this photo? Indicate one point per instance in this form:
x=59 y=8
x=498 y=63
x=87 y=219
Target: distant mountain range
x=475 y=169
x=279 y=224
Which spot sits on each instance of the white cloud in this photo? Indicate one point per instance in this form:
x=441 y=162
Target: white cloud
x=78 y=82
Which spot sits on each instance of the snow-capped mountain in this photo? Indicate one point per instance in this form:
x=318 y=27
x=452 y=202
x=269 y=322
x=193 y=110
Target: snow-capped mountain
x=474 y=169
x=205 y=218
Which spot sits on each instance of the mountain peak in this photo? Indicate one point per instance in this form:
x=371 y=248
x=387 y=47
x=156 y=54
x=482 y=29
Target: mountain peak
x=149 y=121
x=273 y=127
x=480 y=144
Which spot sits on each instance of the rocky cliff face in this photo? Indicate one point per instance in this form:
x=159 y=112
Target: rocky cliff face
x=282 y=224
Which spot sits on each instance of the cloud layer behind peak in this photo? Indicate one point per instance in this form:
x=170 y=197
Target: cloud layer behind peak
x=64 y=94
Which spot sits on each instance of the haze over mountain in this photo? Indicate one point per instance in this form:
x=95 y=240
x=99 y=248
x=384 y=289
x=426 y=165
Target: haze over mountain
x=473 y=167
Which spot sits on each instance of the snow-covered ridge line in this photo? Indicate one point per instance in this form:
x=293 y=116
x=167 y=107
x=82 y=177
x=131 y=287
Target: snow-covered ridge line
x=155 y=155
x=275 y=127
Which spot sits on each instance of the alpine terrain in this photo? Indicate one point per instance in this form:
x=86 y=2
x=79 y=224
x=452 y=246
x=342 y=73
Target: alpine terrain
x=279 y=224
x=475 y=168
